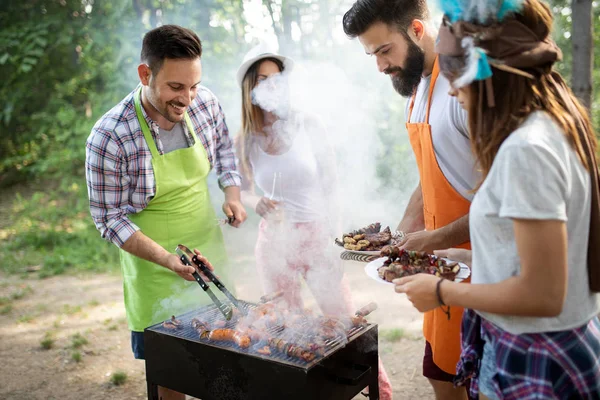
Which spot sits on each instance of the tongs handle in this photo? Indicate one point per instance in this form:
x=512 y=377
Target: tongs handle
x=223 y=308
x=212 y=277
x=195 y=274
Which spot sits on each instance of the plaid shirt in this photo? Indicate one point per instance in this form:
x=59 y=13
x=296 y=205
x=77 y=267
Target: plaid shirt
x=119 y=173
x=551 y=365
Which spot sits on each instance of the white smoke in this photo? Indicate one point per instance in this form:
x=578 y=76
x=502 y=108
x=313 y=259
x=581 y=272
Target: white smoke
x=273 y=95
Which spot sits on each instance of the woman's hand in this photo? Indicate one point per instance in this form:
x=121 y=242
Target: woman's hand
x=265 y=206
x=460 y=255
x=420 y=290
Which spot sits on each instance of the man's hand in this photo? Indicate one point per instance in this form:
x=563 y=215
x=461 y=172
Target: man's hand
x=172 y=262
x=420 y=241
x=234 y=208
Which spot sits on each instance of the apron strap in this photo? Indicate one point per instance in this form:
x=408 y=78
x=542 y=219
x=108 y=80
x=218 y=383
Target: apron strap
x=146 y=129
x=434 y=75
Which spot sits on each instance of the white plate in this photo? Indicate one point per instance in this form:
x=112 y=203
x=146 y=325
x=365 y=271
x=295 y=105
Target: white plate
x=371 y=271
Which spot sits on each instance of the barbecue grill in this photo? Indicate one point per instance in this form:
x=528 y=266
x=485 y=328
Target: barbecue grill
x=180 y=360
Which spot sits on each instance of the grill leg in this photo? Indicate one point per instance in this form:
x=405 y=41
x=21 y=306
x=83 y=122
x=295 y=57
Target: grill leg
x=374 y=385
x=152 y=391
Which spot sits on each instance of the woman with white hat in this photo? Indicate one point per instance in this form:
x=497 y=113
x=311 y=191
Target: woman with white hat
x=286 y=155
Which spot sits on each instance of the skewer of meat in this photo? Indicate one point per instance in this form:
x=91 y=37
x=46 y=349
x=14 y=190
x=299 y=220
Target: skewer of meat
x=291 y=349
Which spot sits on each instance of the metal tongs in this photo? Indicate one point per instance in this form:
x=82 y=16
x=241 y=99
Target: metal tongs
x=209 y=274
x=223 y=308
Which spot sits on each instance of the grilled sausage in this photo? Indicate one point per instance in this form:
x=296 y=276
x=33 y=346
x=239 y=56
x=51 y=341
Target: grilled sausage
x=230 y=335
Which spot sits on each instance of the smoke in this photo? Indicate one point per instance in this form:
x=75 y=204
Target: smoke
x=341 y=117
x=273 y=95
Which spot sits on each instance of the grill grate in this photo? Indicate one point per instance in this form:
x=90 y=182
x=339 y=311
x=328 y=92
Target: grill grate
x=211 y=314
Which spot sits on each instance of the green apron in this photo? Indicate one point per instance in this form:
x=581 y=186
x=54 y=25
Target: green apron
x=180 y=212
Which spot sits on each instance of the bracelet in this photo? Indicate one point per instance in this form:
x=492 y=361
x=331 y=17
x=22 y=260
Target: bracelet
x=439 y=297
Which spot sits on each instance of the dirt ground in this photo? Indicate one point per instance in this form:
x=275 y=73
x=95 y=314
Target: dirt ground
x=82 y=320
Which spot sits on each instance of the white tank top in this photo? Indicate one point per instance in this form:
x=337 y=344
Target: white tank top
x=300 y=192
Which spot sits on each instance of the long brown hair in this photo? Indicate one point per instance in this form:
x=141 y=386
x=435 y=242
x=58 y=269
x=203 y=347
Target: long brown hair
x=252 y=118
x=516 y=97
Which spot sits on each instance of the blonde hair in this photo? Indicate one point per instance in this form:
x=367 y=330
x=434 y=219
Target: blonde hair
x=252 y=118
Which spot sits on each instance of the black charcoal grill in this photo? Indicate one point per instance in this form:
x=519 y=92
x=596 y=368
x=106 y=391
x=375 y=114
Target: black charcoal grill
x=208 y=370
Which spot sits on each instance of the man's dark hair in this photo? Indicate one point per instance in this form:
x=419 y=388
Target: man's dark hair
x=169 y=41
x=397 y=14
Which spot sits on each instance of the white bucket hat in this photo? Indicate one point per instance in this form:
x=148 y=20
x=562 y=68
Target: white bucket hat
x=258 y=53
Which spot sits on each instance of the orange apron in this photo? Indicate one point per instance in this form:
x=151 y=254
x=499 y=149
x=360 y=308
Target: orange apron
x=442 y=205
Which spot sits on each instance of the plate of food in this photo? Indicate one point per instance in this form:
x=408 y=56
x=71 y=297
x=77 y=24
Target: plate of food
x=398 y=263
x=368 y=240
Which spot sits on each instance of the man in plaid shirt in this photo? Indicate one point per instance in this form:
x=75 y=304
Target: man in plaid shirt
x=147 y=160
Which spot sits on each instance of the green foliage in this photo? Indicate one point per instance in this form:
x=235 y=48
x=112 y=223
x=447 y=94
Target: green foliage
x=76 y=356
x=562 y=35
x=393 y=335
x=118 y=378
x=54 y=230
x=47 y=342
x=6 y=309
x=78 y=340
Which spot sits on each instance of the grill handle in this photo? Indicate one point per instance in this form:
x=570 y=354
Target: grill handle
x=356 y=373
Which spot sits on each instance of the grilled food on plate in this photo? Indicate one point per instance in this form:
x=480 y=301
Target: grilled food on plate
x=402 y=262
x=369 y=238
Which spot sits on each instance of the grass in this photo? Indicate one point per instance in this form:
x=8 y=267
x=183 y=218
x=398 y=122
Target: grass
x=118 y=378
x=5 y=310
x=21 y=292
x=78 y=340
x=94 y=303
x=393 y=335
x=47 y=342
x=70 y=310
x=54 y=229
x=76 y=356
x=25 y=318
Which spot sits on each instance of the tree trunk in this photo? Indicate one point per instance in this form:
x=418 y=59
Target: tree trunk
x=582 y=39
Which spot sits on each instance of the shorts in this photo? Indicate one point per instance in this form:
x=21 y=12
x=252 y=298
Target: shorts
x=432 y=371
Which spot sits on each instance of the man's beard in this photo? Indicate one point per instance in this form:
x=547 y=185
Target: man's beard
x=407 y=79
x=164 y=110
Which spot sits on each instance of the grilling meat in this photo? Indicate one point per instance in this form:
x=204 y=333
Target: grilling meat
x=373 y=228
x=271 y=328
x=172 y=323
x=202 y=328
x=230 y=335
x=402 y=263
x=369 y=238
x=380 y=239
x=291 y=349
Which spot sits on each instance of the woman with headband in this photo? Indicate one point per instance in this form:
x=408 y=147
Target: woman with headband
x=531 y=329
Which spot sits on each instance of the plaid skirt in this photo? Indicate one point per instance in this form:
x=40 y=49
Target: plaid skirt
x=552 y=365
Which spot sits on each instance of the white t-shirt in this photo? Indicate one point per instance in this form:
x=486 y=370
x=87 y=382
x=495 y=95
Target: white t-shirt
x=449 y=134
x=536 y=175
x=301 y=186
